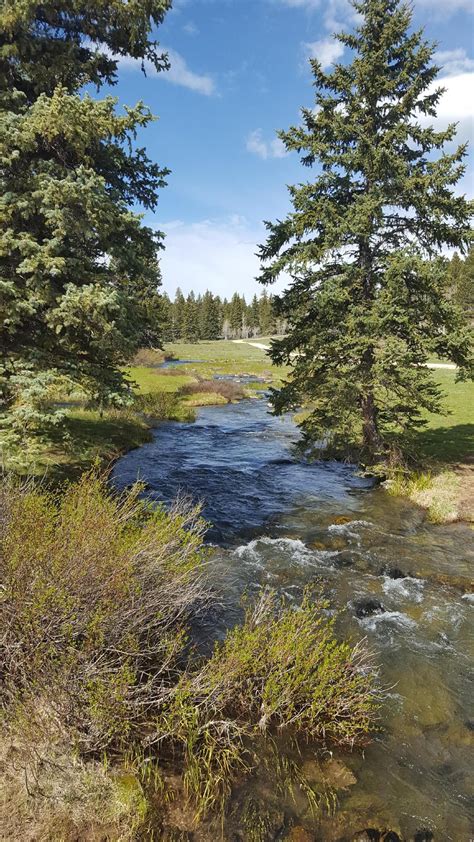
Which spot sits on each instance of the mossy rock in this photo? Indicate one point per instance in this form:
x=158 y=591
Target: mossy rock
x=329 y=773
x=298 y=833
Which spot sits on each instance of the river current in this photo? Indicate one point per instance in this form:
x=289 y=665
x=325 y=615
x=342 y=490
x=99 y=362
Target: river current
x=396 y=580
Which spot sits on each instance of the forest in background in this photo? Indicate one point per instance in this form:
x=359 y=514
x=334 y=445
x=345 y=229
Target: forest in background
x=207 y=317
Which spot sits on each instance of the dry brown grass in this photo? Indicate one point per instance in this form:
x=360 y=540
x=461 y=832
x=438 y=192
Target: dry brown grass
x=227 y=389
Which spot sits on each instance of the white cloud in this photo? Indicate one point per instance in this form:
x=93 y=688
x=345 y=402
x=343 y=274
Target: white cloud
x=301 y=4
x=454 y=62
x=327 y=51
x=456 y=104
x=263 y=148
x=178 y=74
x=190 y=28
x=443 y=8
x=215 y=255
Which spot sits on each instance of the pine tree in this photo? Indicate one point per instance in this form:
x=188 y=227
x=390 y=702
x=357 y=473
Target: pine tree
x=266 y=316
x=236 y=314
x=366 y=302
x=78 y=270
x=209 y=317
x=254 y=316
x=179 y=305
x=190 y=320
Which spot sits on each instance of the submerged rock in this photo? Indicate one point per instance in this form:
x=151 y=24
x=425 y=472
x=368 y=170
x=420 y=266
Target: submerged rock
x=370 y=834
x=393 y=572
x=345 y=559
x=329 y=773
x=298 y=833
x=367 y=607
x=423 y=835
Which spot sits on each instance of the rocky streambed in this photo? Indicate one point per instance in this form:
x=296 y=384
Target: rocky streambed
x=394 y=579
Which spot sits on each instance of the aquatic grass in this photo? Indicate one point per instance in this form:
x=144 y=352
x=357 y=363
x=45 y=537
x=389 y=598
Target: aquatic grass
x=281 y=671
x=438 y=493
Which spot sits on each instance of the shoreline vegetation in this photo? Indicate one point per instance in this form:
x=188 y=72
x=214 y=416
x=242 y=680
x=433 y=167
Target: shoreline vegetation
x=116 y=722
x=442 y=482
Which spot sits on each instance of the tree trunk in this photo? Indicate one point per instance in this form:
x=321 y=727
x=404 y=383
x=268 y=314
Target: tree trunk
x=372 y=441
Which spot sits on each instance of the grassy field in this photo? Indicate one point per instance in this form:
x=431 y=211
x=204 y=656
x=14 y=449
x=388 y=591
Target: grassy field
x=448 y=440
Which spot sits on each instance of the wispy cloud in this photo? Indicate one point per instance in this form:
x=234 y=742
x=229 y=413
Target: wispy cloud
x=327 y=51
x=190 y=28
x=447 y=8
x=265 y=149
x=178 y=74
x=215 y=254
x=454 y=62
x=340 y=11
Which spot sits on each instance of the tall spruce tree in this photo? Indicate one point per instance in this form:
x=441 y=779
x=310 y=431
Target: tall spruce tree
x=78 y=270
x=366 y=301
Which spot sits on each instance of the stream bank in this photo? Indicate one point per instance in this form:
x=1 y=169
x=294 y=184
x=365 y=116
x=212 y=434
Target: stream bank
x=394 y=579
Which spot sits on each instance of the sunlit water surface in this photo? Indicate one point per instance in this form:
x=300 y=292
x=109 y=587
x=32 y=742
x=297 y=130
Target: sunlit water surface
x=280 y=522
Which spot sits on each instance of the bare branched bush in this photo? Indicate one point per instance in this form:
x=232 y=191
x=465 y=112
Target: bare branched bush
x=97 y=594
x=226 y=388
x=150 y=357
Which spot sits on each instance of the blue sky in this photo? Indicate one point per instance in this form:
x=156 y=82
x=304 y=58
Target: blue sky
x=239 y=71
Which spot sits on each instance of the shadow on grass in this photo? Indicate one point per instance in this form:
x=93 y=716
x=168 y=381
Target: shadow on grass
x=446 y=444
x=90 y=438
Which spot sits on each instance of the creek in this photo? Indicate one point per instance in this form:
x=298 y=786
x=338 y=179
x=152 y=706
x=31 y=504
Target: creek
x=395 y=580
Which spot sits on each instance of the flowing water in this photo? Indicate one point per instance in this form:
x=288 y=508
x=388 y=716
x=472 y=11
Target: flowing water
x=400 y=582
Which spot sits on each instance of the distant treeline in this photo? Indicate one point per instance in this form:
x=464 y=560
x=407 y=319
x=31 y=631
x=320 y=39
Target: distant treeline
x=209 y=317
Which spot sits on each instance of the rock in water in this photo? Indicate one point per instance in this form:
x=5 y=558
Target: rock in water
x=367 y=607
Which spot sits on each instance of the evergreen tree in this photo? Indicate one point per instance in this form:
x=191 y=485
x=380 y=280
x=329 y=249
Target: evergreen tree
x=461 y=281
x=366 y=301
x=236 y=314
x=209 y=317
x=253 y=316
x=266 y=315
x=179 y=306
x=78 y=270
x=190 y=321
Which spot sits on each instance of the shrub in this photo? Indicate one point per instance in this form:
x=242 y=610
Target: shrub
x=150 y=357
x=282 y=669
x=101 y=597
x=97 y=592
x=162 y=406
x=228 y=389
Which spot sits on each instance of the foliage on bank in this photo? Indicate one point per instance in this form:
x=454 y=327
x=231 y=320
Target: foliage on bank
x=102 y=601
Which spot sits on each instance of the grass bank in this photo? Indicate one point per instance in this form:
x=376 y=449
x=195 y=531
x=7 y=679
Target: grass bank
x=444 y=483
